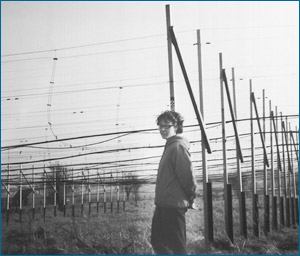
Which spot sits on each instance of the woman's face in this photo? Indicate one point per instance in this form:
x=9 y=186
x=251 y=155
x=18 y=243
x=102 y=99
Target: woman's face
x=167 y=129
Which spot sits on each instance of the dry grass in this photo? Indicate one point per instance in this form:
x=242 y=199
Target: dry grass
x=128 y=233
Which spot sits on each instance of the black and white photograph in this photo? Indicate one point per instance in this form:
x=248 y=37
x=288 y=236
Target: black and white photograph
x=150 y=127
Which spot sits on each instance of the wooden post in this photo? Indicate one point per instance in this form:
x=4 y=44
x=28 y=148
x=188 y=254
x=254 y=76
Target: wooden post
x=208 y=217
x=21 y=195
x=64 y=195
x=198 y=114
x=254 y=195
x=266 y=195
x=279 y=173
x=279 y=170
x=170 y=59
x=89 y=192
x=98 y=191
x=33 y=193
x=111 y=194
x=8 y=194
x=274 y=199
x=73 y=194
x=124 y=194
x=294 y=212
x=82 y=193
x=241 y=193
x=118 y=196
x=227 y=207
x=284 y=172
x=288 y=199
x=104 y=198
x=292 y=217
x=44 y=194
x=55 y=191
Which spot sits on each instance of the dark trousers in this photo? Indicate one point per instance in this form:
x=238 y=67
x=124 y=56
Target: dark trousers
x=168 y=233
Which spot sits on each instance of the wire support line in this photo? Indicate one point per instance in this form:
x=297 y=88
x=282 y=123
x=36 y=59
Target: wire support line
x=83 y=90
x=85 y=45
x=122 y=132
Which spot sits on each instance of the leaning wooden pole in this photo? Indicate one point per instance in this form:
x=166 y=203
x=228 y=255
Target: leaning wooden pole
x=21 y=196
x=274 y=199
x=288 y=197
x=241 y=193
x=207 y=192
x=170 y=59
x=284 y=173
x=187 y=81
x=294 y=211
x=254 y=192
x=33 y=193
x=290 y=178
x=266 y=195
x=278 y=171
x=8 y=195
x=44 y=194
x=227 y=186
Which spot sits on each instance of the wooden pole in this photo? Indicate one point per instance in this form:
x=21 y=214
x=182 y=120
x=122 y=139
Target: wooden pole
x=89 y=192
x=73 y=194
x=279 y=173
x=284 y=171
x=44 y=194
x=241 y=193
x=274 y=199
x=233 y=118
x=254 y=192
x=260 y=130
x=124 y=193
x=33 y=193
x=266 y=195
x=292 y=219
x=21 y=195
x=98 y=190
x=227 y=206
x=294 y=212
x=208 y=217
x=111 y=194
x=288 y=199
x=64 y=195
x=55 y=191
x=170 y=59
x=82 y=192
x=198 y=114
x=279 y=168
x=8 y=194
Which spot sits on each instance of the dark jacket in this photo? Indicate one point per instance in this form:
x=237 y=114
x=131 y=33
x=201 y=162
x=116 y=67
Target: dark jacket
x=175 y=184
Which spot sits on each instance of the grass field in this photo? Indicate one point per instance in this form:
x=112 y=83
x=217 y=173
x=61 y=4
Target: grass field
x=129 y=233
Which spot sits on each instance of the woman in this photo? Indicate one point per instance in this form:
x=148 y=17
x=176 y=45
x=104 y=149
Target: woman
x=175 y=188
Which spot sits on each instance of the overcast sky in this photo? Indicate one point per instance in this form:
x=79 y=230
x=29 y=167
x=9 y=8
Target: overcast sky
x=71 y=69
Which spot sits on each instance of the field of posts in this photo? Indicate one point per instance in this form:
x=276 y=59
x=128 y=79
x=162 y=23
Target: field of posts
x=124 y=228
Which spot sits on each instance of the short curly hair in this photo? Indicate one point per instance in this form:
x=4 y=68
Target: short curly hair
x=174 y=117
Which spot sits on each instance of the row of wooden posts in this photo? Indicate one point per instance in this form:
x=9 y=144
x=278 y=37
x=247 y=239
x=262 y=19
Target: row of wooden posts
x=107 y=196
x=290 y=201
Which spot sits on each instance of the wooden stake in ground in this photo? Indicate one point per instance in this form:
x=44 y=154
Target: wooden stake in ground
x=254 y=192
x=241 y=193
x=207 y=197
